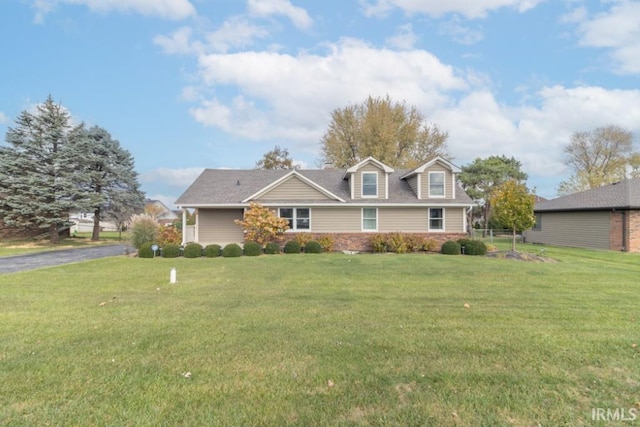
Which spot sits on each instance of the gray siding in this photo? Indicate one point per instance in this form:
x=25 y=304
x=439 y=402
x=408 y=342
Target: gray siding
x=357 y=177
x=576 y=229
x=454 y=220
x=413 y=183
x=217 y=226
x=448 y=181
x=292 y=189
x=335 y=220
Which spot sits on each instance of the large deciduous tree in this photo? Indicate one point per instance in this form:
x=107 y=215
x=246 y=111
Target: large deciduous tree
x=110 y=178
x=598 y=157
x=391 y=132
x=278 y=158
x=40 y=170
x=482 y=176
x=513 y=206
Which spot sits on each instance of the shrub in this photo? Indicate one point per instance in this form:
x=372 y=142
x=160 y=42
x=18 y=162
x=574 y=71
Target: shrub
x=303 y=239
x=475 y=247
x=313 y=247
x=378 y=243
x=169 y=234
x=261 y=224
x=232 y=250
x=272 y=248
x=171 y=250
x=212 y=251
x=292 y=247
x=396 y=243
x=429 y=245
x=450 y=247
x=145 y=251
x=327 y=241
x=252 y=249
x=193 y=250
x=413 y=242
x=143 y=229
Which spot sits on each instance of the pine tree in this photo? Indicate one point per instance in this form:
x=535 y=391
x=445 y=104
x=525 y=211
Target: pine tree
x=110 y=178
x=39 y=179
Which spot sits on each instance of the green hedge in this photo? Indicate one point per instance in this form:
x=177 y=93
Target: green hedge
x=313 y=247
x=473 y=247
x=212 y=251
x=272 y=248
x=252 y=249
x=171 y=250
x=292 y=247
x=145 y=250
x=192 y=250
x=450 y=247
x=232 y=250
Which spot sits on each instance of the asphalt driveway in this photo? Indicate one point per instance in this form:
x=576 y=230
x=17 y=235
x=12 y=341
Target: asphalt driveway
x=33 y=261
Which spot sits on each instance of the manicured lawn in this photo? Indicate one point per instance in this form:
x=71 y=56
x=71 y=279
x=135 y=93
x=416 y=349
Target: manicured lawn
x=20 y=247
x=324 y=339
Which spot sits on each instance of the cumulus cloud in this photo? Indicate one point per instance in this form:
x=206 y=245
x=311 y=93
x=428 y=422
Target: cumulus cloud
x=471 y=9
x=169 y=9
x=617 y=30
x=265 y=8
x=300 y=91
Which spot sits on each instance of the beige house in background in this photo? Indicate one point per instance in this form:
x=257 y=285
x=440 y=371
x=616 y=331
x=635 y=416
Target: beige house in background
x=607 y=217
x=350 y=204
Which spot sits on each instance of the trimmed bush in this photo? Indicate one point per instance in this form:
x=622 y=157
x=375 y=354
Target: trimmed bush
x=171 y=250
x=413 y=242
x=303 y=239
x=292 y=247
x=327 y=241
x=212 y=251
x=378 y=243
x=145 y=251
x=397 y=243
x=232 y=250
x=450 y=247
x=475 y=247
x=252 y=249
x=192 y=250
x=429 y=245
x=313 y=247
x=272 y=248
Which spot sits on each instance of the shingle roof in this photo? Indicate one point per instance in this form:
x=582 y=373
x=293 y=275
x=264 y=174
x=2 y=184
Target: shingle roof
x=232 y=186
x=621 y=195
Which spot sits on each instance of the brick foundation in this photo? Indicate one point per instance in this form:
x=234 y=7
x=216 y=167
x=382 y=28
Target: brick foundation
x=361 y=241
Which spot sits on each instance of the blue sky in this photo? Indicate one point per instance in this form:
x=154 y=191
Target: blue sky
x=189 y=84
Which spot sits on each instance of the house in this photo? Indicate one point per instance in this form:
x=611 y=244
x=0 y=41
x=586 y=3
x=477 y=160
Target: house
x=160 y=211
x=350 y=204
x=607 y=217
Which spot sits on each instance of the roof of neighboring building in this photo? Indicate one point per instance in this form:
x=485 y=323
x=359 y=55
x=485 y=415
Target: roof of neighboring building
x=233 y=186
x=621 y=195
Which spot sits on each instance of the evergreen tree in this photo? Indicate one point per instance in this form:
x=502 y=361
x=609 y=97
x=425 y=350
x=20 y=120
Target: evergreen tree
x=109 y=177
x=39 y=179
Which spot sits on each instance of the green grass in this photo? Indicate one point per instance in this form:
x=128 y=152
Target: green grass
x=321 y=340
x=24 y=246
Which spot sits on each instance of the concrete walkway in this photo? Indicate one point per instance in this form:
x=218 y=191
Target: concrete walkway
x=36 y=260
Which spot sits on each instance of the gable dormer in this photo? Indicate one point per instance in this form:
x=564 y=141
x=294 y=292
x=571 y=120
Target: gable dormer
x=435 y=179
x=369 y=179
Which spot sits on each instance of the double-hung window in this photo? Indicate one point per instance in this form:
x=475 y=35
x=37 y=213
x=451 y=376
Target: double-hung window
x=369 y=184
x=299 y=218
x=369 y=219
x=436 y=219
x=436 y=184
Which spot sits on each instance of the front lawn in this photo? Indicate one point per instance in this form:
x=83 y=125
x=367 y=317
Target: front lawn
x=328 y=339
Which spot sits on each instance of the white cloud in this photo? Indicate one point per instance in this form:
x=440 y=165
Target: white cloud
x=618 y=30
x=179 y=178
x=170 y=9
x=235 y=32
x=460 y=33
x=179 y=42
x=281 y=95
x=3 y=118
x=266 y=8
x=469 y=8
x=405 y=39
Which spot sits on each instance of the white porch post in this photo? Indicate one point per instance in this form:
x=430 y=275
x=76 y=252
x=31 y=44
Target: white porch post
x=184 y=226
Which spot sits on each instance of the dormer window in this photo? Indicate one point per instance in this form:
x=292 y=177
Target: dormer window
x=436 y=184
x=369 y=184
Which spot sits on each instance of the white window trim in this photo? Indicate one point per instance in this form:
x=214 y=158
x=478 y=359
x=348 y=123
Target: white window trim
x=362 y=174
x=435 y=230
x=294 y=220
x=444 y=184
x=362 y=220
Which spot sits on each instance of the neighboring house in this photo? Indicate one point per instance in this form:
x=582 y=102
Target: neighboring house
x=351 y=204
x=83 y=223
x=607 y=217
x=160 y=211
